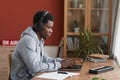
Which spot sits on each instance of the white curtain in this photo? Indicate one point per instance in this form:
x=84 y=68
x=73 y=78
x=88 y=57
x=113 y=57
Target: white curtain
x=104 y=20
x=116 y=38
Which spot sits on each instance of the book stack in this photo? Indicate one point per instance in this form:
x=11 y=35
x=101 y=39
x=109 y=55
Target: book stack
x=72 y=43
x=97 y=58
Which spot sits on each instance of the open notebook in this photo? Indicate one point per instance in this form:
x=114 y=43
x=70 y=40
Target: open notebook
x=76 y=67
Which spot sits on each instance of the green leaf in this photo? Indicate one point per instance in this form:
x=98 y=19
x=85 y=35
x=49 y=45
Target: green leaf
x=87 y=43
x=95 y=78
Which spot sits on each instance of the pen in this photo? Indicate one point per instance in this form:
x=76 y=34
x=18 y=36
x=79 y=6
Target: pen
x=62 y=72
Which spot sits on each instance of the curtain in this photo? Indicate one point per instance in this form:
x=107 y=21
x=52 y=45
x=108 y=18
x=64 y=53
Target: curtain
x=116 y=35
x=104 y=20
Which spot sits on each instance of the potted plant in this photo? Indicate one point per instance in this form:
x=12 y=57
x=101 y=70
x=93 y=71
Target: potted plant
x=96 y=78
x=76 y=25
x=87 y=44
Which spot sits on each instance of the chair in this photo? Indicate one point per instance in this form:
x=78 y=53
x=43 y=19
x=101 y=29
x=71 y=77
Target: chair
x=9 y=64
x=60 y=46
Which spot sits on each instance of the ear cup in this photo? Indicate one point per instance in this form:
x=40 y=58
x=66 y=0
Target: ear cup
x=39 y=26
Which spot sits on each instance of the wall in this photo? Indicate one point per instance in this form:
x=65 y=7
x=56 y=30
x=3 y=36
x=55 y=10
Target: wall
x=16 y=15
x=52 y=51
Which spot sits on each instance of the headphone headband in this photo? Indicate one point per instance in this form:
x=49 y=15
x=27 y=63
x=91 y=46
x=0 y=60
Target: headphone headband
x=39 y=26
x=44 y=13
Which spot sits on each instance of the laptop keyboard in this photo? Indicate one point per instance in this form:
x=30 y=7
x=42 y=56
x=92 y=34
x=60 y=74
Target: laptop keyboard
x=75 y=67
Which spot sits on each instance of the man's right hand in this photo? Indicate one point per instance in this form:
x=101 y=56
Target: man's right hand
x=67 y=63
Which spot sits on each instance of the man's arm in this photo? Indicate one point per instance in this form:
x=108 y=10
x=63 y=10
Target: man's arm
x=33 y=60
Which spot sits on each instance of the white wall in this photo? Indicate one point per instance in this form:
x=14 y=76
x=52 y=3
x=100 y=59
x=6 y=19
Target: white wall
x=52 y=51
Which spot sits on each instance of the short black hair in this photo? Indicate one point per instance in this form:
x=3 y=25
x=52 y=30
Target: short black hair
x=46 y=18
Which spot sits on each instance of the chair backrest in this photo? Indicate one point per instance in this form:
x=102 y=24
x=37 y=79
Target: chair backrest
x=9 y=65
x=60 y=46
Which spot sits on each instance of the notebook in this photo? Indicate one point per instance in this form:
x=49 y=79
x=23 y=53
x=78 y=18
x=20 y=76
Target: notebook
x=76 y=67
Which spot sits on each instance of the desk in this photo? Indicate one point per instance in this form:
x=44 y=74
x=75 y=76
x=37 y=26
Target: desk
x=84 y=75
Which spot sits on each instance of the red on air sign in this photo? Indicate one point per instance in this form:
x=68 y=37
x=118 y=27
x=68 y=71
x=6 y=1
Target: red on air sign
x=5 y=42
x=9 y=42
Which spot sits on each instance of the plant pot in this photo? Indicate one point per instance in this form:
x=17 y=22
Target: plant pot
x=76 y=29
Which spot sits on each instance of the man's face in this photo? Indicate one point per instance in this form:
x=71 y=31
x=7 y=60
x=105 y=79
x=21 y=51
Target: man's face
x=47 y=30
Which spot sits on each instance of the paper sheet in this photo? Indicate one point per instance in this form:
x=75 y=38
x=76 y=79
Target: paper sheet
x=56 y=76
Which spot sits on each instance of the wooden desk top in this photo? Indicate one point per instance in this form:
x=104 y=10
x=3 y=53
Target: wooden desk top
x=84 y=75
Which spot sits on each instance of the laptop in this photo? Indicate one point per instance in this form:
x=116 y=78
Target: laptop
x=76 y=67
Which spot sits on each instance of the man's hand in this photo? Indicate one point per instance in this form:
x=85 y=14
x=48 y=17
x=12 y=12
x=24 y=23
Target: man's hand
x=68 y=63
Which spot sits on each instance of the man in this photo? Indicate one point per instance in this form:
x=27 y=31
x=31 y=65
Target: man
x=29 y=56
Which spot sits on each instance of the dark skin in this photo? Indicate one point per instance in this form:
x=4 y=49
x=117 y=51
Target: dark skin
x=46 y=32
x=68 y=63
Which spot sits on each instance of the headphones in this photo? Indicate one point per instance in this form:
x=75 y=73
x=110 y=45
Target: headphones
x=39 y=26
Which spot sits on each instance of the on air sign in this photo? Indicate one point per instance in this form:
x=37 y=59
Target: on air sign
x=9 y=42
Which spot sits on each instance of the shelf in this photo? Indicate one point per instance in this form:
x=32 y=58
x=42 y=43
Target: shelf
x=94 y=15
x=75 y=8
x=71 y=50
x=100 y=34
x=77 y=34
x=72 y=34
x=104 y=9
